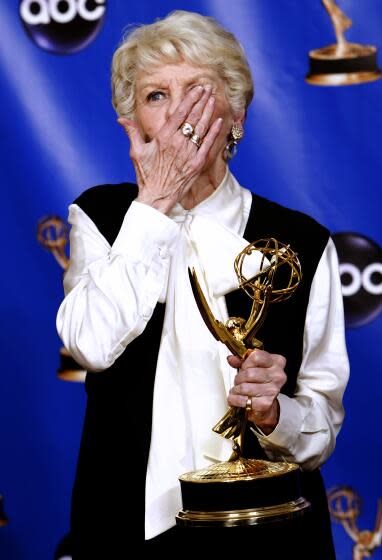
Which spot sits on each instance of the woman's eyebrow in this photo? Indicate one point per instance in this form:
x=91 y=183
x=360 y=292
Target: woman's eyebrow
x=160 y=84
x=152 y=85
x=199 y=77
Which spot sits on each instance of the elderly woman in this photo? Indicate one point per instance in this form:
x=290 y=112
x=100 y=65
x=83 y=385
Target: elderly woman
x=157 y=379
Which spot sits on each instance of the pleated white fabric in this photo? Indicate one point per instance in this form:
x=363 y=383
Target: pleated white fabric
x=193 y=375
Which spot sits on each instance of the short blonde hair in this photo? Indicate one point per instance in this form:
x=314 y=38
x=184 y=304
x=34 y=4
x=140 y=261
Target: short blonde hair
x=181 y=36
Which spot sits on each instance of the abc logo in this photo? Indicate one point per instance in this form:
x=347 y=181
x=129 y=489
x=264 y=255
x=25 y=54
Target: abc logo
x=62 y=26
x=361 y=276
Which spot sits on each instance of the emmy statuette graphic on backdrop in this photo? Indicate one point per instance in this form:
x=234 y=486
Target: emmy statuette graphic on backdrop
x=345 y=507
x=3 y=517
x=242 y=491
x=52 y=234
x=343 y=63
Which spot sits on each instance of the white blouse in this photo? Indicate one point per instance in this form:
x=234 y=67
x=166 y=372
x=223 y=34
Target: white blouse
x=110 y=295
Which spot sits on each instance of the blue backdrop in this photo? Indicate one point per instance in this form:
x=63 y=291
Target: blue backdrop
x=312 y=148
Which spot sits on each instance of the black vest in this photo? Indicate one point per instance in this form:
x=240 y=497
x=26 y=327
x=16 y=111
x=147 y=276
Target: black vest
x=117 y=430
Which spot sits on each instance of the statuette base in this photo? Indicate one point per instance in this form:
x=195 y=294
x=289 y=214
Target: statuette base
x=337 y=65
x=69 y=370
x=242 y=492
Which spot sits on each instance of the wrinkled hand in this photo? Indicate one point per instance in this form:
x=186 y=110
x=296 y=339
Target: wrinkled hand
x=168 y=165
x=261 y=376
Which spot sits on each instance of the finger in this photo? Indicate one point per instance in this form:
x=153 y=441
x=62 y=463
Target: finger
x=234 y=361
x=181 y=112
x=197 y=110
x=248 y=352
x=274 y=377
x=239 y=401
x=265 y=359
x=258 y=358
x=203 y=123
x=259 y=406
x=208 y=142
x=279 y=360
x=254 y=375
x=255 y=390
x=132 y=130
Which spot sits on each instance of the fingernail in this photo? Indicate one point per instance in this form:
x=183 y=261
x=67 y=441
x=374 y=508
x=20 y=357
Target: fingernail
x=208 y=87
x=199 y=88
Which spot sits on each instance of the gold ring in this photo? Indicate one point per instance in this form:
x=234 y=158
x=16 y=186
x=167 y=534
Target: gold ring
x=187 y=129
x=248 y=406
x=196 y=140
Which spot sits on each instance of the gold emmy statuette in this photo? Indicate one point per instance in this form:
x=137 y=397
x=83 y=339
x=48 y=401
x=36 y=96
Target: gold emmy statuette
x=343 y=63
x=345 y=507
x=3 y=518
x=243 y=491
x=52 y=234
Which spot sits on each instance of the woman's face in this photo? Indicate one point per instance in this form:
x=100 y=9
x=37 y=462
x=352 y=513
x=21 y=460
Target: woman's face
x=159 y=92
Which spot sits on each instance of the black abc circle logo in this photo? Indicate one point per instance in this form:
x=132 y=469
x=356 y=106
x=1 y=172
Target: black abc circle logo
x=361 y=277
x=62 y=26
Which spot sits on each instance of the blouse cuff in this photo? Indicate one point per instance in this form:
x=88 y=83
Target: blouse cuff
x=146 y=233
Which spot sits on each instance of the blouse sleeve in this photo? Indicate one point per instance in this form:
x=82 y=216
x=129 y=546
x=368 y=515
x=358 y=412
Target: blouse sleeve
x=111 y=291
x=310 y=420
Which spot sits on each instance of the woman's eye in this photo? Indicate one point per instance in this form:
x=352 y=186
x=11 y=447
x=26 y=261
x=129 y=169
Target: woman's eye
x=155 y=96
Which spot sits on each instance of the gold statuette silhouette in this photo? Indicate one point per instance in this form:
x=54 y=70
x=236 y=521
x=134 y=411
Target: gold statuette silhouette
x=342 y=63
x=3 y=517
x=345 y=507
x=52 y=234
